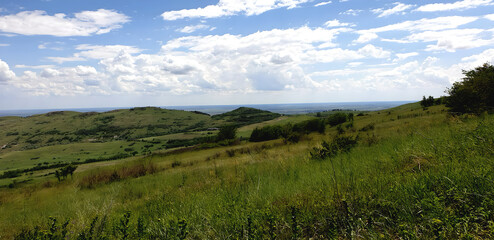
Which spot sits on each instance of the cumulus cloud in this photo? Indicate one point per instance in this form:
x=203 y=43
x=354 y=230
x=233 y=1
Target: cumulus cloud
x=263 y=61
x=399 y=8
x=459 y=5
x=84 y=23
x=230 y=8
x=5 y=73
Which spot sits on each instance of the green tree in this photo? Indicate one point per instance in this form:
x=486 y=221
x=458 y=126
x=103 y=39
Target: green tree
x=475 y=93
x=227 y=132
x=427 y=102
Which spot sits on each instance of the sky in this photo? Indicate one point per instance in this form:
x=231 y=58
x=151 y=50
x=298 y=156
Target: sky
x=125 y=53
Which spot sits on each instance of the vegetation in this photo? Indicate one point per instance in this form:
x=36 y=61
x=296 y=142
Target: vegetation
x=404 y=173
x=53 y=140
x=475 y=94
x=424 y=183
x=427 y=102
x=245 y=116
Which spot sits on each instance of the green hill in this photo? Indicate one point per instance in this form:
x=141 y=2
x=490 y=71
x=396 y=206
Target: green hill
x=245 y=116
x=402 y=173
x=70 y=127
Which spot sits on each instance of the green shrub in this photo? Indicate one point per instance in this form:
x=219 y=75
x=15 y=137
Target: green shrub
x=337 y=118
x=338 y=145
x=475 y=93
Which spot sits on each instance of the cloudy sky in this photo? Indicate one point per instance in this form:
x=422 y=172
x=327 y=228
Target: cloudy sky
x=123 y=53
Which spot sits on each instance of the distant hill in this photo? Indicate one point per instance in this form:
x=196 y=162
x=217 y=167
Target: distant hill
x=63 y=127
x=244 y=116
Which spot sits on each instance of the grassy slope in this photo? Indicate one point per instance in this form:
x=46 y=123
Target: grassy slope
x=72 y=136
x=68 y=127
x=417 y=174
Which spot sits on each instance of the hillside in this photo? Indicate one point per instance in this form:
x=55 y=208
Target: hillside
x=412 y=173
x=245 y=116
x=69 y=127
x=49 y=140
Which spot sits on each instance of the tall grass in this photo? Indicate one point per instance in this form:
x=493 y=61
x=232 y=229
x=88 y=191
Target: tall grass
x=434 y=181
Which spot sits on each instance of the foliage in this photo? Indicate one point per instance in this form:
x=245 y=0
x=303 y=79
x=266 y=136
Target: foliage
x=428 y=177
x=226 y=133
x=338 y=145
x=337 y=118
x=65 y=171
x=427 y=102
x=475 y=93
x=266 y=133
x=244 y=116
x=308 y=126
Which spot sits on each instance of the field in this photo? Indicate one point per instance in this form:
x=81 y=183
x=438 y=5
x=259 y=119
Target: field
x=403 y=173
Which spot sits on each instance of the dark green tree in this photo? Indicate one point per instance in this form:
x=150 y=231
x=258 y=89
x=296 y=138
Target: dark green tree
x=227 y=132
x=475 y=93
x=427 y=102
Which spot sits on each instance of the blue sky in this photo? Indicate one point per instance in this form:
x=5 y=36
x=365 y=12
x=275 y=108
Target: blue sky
x=120 y=53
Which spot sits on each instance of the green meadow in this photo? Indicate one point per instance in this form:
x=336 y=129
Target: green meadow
x=403 y=173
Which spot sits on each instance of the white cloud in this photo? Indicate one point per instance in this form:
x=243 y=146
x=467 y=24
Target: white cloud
x=454 y=39
x=489 y=16
x=352 y=12
x=374 y=52
x=103 y=51
x=365 y=37
x=4 y=44
x=459 y=5
x=427 y=24
x=424 y=24
x=403 y=56
x=5 y=73
x=270 y=61
x=479 y=59
x=232 y=7
x=34 y=67
x=61 y=60
x=399 y=8
x=87 y=51
x=322 y=4
x=84 y=23
x=337 y=23
x=192 y=28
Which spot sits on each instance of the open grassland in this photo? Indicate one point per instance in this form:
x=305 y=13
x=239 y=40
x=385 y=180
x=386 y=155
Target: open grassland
x=413 y=174
x=50 y=140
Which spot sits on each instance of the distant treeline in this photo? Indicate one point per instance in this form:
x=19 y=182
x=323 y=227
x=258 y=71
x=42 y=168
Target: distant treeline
x=293 y=131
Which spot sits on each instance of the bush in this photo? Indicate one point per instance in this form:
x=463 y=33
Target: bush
x=266 y=133
x=475 y=93
x=337 y=118
x=338 y=145
x=226 y=133
x=427 y=102
x=313 y=125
